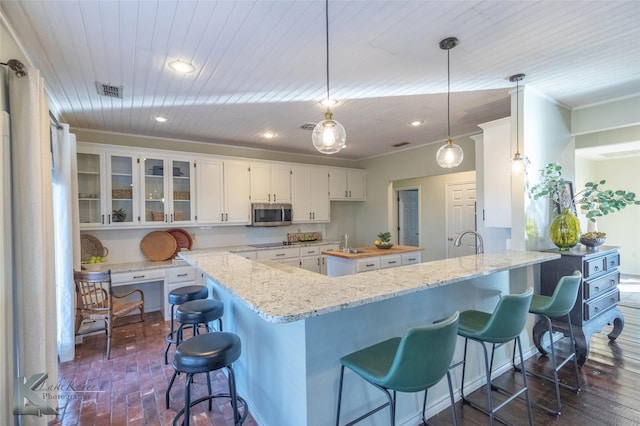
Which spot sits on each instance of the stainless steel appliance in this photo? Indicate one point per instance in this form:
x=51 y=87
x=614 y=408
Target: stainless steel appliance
x=270 y=214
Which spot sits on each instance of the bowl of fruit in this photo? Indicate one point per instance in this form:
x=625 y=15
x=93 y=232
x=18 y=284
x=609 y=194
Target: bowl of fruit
x=384 y=241
x=593 y=239
x=94 y=263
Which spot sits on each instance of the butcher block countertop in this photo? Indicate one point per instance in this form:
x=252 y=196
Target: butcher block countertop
x=372 y=251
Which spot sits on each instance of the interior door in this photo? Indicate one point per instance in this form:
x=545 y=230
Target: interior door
x=408 y=217
x=461 y=216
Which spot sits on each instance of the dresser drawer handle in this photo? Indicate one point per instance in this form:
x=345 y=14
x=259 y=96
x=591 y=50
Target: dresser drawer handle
x=596 y=289
x=596 y=309
x=596 y=268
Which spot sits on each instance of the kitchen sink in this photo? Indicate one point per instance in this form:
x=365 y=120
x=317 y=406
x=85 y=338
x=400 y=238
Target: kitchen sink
x=354 y=251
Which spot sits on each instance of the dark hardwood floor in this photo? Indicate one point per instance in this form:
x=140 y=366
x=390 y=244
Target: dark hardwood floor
x=610 y=386
x=133 y=382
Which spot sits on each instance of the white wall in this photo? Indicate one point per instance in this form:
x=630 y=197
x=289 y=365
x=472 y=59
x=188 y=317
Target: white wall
x=623 y=227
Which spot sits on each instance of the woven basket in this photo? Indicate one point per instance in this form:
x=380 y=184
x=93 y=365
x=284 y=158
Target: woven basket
x=181 y=195
x=91 y=246
x=123 y=194
x=178 y=215
x=157 y=216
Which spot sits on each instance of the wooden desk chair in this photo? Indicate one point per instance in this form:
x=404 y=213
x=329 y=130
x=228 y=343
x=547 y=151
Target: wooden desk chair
x=95 y=301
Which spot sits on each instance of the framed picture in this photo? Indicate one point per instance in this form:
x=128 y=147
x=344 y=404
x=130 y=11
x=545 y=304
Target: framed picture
x=566 y=198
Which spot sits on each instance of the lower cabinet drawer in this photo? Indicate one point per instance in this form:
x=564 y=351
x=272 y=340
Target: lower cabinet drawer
x=593 y=308
x=181 y=274
x=121 y=278
x=367 y=264
x=593 y=288
x=411 y=258
x=390 y=261
x=594 y=267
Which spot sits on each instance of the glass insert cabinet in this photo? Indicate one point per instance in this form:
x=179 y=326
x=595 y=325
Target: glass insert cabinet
x=106 y=189
x=118 y=189
x=168 y=188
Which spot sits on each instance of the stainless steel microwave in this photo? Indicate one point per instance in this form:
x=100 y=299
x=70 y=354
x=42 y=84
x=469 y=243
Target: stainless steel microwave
x=270 y=214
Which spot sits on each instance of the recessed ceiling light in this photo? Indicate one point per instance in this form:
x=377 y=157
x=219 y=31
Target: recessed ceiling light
x=416 y=123
x=161 y=119
x=268 y=135
x=180 y=66
x=328 y=102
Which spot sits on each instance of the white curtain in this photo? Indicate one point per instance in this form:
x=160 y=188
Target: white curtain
x=6 y=291
x=66 y=235
x=32 y=225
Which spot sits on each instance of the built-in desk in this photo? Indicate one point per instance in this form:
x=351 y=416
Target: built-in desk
x=295 y=325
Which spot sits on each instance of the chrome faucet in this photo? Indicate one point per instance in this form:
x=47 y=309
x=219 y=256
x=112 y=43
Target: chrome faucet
x=478 y=240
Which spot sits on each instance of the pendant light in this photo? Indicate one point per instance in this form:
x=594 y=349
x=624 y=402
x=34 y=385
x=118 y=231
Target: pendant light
x=449 y=155
x=518 y=162
x=328 y=136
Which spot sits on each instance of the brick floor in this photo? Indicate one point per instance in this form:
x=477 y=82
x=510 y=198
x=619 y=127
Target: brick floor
x=129 y=389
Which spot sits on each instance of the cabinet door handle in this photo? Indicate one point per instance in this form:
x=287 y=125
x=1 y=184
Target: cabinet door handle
x=109 y=219
x=279 y=254
x=165 y=218
x=412 y=259
x=135 y=277
x=346 y=194
x=349 y=194
x=269 y=197
x=102 y=220
x=310 y=215
x=182 y=275
x=393 y=262
x=221 y=217
x=274 y=198
x=171 y=217
x=314 y=215
x=368 y=265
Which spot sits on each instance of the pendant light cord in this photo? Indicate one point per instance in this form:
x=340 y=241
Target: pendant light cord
x=448 y=96
x=518 y=117
x=326 y=15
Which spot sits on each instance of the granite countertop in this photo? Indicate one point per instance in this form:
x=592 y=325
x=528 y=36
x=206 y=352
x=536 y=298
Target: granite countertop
x=280 y=293
x=371 y=251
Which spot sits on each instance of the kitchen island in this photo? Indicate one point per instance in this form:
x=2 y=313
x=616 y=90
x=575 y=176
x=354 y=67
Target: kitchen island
x=365 y=259
x=295 y=325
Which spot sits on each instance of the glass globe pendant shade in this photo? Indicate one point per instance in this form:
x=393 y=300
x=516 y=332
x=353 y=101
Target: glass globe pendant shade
x=449 y=155
x=329 y=136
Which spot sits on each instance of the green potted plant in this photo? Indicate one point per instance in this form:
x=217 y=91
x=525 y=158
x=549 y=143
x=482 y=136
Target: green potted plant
x=593 y=201
x=119 y=215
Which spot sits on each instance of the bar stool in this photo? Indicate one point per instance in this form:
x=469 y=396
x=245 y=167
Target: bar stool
x=413 y=363
x=198 y=312
x=502 y=326
x=202 y=354
x=179 y=296
x=558 y=305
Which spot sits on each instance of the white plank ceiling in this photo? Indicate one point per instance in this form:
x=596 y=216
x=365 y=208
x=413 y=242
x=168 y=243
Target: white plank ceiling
x=261 y=64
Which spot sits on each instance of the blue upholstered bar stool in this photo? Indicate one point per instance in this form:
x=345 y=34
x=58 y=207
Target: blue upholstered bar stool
x=502 y=326
x=177 y=297
x=558 y=305
x=202 y=354
x=198 y=312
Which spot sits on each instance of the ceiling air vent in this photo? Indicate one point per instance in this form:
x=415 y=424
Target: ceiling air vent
x=109 y=90
x=307 y=126
x=399 y=144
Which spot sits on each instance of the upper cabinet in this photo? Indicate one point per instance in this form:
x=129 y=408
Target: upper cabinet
x=347 y=184
x=310 y=190
x=270 y=183
x=496 y=172
x=223 y=192
x=168 y=188
x=107 y=189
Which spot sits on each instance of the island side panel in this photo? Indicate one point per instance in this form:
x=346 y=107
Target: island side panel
x=271 y=370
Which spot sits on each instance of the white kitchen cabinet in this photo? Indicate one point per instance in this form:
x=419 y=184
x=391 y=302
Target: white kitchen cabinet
x=176 y=277
x=222 y=192
x=339 y=266
x=107 y=189
x=270 y=183
x=411 y=258
x=167 y=186
x=310 y=258
x=279 y=253
x=323 y=257
x=347 y=184
x=496 y=172
x=310 y=194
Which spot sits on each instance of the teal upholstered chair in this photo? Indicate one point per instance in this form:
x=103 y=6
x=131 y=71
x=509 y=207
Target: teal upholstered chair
x=502 y=326
x=558 y=305
x=413 y=363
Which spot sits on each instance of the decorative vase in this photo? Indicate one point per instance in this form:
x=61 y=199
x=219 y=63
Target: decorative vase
x=565 y=230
